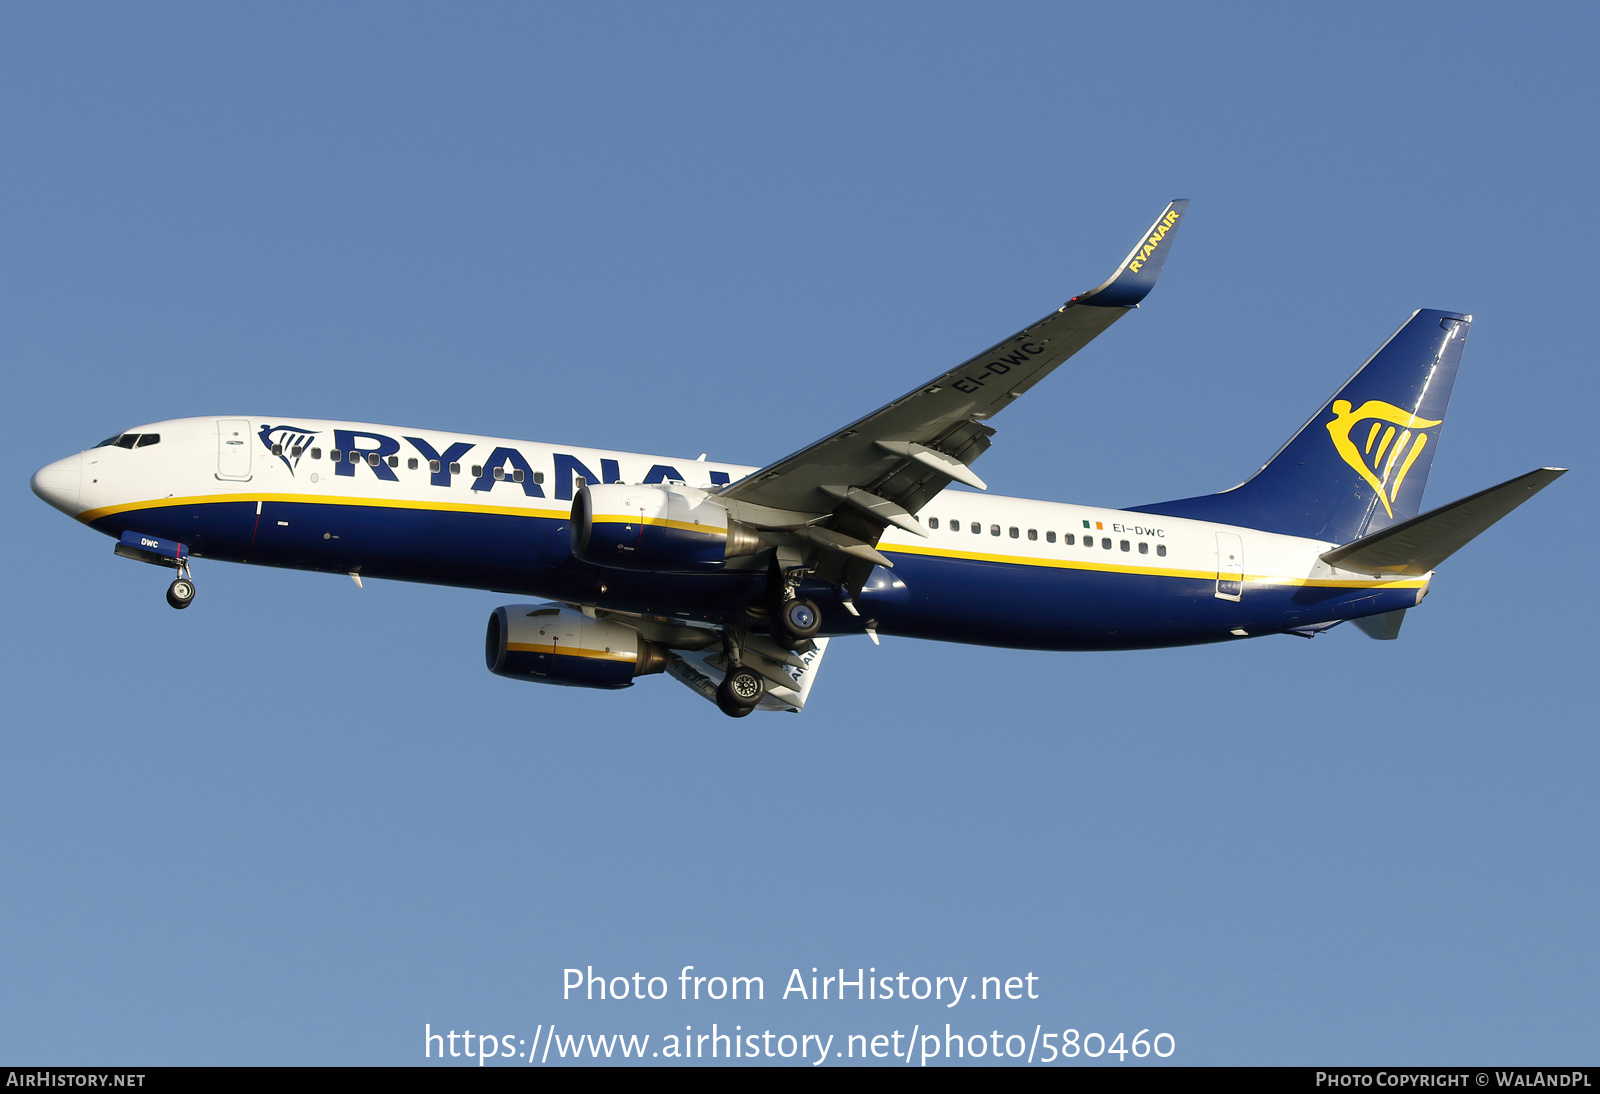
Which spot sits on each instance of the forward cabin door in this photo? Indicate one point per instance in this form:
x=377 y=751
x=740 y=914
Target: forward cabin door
x=233 y=449
x=1230 y=566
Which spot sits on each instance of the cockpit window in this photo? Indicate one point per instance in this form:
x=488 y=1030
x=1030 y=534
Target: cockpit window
x=131 y=440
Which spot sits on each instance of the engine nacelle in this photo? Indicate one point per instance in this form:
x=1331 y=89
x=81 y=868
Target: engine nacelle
x=663 y=529
x=553 y=644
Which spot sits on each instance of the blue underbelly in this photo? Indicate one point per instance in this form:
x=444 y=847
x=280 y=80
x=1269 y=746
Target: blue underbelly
x=940 y=598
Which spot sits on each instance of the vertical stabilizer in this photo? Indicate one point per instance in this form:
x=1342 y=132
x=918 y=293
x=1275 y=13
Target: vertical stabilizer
x=1360 y=464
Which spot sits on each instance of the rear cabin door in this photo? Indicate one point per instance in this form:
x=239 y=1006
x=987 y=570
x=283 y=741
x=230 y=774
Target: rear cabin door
x=1230 y=566
x=233 y=449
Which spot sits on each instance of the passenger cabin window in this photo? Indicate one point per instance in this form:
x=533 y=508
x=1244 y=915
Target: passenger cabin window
x=316 y=453
x=372 y=460
x=477 y=471
x=1144 y=548
x=994 y=529
x=411 y=464
x=538 y=476
x=297 y=450
x=1014 y=533
x=516 y=476
x=355 y=457
x=1050 y=537
x=933 y=522
x=977 y=529
x=277 y=450
x=1125 y=545
x=455 y=468
x=1106 y=543
x=434 y=465
x=499 y=474
x=1161 y=550
x=394 y=461
x=1070 y=539
x=1033 y=533
x=335 y=455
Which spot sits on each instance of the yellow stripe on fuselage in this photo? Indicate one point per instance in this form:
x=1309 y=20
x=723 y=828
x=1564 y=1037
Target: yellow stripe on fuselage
x=888 y=549
x=91 y=515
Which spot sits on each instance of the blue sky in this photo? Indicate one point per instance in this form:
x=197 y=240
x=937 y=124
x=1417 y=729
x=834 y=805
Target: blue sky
x=298 y=821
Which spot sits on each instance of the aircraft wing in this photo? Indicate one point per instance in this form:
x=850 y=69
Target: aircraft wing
x=789 y=676
x=838 y=495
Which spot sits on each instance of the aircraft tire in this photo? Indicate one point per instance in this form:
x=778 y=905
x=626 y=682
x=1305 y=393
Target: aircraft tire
x=180 y=594
x=742 y=687
x=799 y=618
x=730 y=709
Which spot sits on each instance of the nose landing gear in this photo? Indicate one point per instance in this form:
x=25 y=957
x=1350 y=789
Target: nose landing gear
x=180 y=594
x=161 y=552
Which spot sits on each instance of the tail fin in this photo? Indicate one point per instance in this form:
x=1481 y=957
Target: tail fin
x=1360 y=464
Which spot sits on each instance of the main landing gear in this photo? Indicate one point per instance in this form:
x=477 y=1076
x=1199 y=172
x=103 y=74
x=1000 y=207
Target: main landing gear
x=742 y=687
x=740 y=691
x=793 y=626
x=798 y=619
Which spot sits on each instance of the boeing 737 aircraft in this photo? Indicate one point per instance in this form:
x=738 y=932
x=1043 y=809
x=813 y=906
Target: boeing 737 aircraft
x=733 y=579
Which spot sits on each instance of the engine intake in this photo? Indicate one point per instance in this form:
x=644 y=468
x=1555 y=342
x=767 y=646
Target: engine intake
x=662 y=529
x=554 y=644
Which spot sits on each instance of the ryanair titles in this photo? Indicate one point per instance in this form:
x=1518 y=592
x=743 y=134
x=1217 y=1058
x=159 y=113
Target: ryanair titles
x=1148 y=247
x=351 y=449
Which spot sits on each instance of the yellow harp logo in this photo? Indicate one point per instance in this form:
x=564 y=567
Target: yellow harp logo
x=1385 y=460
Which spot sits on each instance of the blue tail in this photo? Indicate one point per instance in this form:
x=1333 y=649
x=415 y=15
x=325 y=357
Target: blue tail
x=1359 y=465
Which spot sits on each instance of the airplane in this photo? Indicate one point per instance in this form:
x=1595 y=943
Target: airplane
x=733 y=579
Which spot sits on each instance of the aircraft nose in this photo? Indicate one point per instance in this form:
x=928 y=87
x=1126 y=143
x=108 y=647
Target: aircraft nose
x=57 y=483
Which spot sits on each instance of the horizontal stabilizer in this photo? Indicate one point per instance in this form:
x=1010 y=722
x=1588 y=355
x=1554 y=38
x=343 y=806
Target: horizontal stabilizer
x=1416 y=546
x=1385 y=627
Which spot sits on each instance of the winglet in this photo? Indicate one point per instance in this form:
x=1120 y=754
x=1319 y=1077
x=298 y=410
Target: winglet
x=1137 y=275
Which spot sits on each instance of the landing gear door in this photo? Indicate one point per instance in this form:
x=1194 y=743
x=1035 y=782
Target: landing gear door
x=233 y=449
x=1230 y=566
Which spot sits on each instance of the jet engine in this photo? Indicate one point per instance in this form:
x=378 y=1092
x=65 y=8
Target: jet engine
x=662 y=529
x=554 y=644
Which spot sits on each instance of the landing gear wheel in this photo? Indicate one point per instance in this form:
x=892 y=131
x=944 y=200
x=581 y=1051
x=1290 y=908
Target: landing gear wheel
x=742 y=688
x=729 y=708
x=180 y=594
x=799 y=618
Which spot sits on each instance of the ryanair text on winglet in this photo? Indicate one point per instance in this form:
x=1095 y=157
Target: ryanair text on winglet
x=1149 y=246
